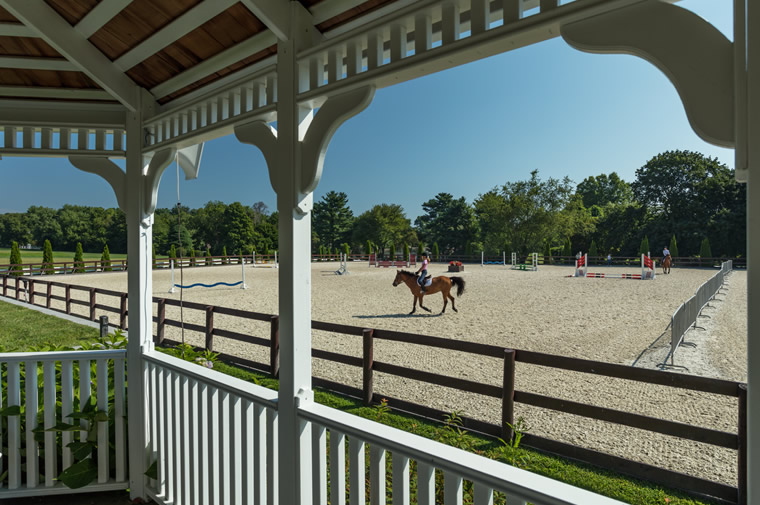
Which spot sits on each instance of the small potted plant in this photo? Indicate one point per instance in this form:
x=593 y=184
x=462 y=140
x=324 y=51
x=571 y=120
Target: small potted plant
x=456 y=266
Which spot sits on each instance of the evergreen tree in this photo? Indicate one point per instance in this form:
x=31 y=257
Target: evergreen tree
x=224 y=254
x=172 y=253
x=154 y=255
x=192 y=256
x=47 y=258
x=16 y=269
x=79 y=259
x=644 y=248
x=673 y=246
x=436 y=251
x=393 y=252
x=568 y=250
x=547 y=252
x=209 y=261
x=105 y=259
x=406 y=251
x=468 y=249
x=421 y=248
x=369 y=247
x=592 y=252
x=346 y=249
x=705 y=251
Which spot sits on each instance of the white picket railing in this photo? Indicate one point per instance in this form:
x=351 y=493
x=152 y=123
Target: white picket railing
x=214 y=437
x=58 y=371
x=487 y=476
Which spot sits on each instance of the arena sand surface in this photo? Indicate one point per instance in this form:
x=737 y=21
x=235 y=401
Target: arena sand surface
x=610 y=320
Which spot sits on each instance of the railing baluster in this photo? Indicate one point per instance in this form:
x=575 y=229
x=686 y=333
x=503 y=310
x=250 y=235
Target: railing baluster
x=353 y=58
x=272 y=458
x=423 y=33
x=398 y=42
x=203 y=444
x=357 y=470
x=249 y=454
x=160 y=443
x=169 y=429
x=450 y=22
x=319 y=464
x=425 y=484
x=176 y=437
x=512 y=11
x=185 y=457
x=479 y=16
x=2 y=436
x=225 y=426
x=14 y=427
x=338 y=468
x=101 y=376
x=400 y=470
x=32 y=449
x=119 y=412
x=237 y=462
x=214 y=445
x=153 y=447
x=452 y=489
x=67 y=407
x=51 y=449
x=260 y=453
x=483 y=495
x=194 y=442
x=84 y=394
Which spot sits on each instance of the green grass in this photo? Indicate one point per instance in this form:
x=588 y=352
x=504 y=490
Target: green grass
x=28 y=256
x=22 y=328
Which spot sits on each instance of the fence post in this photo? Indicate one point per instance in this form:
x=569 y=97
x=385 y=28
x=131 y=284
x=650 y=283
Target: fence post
x=18 y=281
x=49 y=297
x=68 y=299
x=367 y=365
x=161 y=324
x=92 y=304
x=508 y=395
x=103 y=326
x=274 y=346
x=742 y=452
x=210 y=328
x=31 y=291
x=123 y=312
x=5 y=286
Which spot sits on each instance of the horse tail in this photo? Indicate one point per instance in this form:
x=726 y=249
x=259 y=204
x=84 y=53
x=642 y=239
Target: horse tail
x=459 y=283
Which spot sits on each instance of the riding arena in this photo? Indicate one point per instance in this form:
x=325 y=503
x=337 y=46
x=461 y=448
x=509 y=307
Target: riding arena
x=545 y=312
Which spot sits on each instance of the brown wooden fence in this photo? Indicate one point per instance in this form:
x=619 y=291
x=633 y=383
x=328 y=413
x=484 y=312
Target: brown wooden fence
x=39 y=292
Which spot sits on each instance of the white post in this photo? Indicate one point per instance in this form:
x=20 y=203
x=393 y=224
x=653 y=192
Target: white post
x=171 y=289
x=242 y=267
x=481 y=258
x=277 y=263
x=254 y=259
x=514 y=260
x=504 y=258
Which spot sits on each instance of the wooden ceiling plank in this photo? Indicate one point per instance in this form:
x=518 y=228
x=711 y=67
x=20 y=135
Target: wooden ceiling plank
x=273 y=13
x=73 y=46
x=99 y=16
x=222 y=60
x=36 y=63
x=328 y=9
x=64 y=93
x=184 y=24
x=16 y=30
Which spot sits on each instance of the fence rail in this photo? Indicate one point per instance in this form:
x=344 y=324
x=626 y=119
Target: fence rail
x=687 y=314
x=505 y=392
x=68 y=379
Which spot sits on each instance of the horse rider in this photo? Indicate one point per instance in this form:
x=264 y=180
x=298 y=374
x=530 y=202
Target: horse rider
x=423 y=271
x=665 y=253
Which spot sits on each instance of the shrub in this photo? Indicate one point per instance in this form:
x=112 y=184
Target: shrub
x=79 y=259
x=346 y=250
x=224 y=253
x=173 y=253
x=47 y=258
x=105 y=259
x=393 y=252
x=673 y=246
x=435 y=251
x=592 y=252
x=15 y=261
x=568 y=250
x=644 y=248
x=705 y=251
x=406 y=251
x=369 y=247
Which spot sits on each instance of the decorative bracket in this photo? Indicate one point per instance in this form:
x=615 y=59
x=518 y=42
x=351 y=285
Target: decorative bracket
x=153 y=173
x=696 y=57
x=262 y=135
x=109 y=171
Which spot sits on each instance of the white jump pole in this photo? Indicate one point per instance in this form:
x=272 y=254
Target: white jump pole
x=504 y=258
x=481 y=258
x=244 y=285
x=276 y=264
x=171 y=263
x=535 y=261
x=254 y=259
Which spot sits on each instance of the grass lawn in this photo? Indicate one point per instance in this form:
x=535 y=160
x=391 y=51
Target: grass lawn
x=22 y=328
x=34 y=256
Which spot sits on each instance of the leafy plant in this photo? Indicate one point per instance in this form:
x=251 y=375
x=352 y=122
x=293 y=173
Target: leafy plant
x=453 y=432
x=47 y=258
x=508 y=450
x=105 y=259
x=79 y=259
x=381 y=409
x=15 y=259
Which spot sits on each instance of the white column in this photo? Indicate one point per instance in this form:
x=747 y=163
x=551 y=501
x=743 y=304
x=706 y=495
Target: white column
x=140 y=288
x=753 y=251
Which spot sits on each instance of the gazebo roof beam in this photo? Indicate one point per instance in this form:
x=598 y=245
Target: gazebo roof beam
x=328 y=9
x=40 y=114
x=74 y=47
x=275 y=14
x=101 y=14
x=62 y=93
x=181 y=26
x=16 y=30
x=33 y=63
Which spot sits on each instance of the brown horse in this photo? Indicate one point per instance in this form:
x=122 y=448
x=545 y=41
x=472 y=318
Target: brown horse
x=440 y=283
x=666 y=264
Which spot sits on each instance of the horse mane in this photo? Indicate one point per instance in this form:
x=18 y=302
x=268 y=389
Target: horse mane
x=407 y=272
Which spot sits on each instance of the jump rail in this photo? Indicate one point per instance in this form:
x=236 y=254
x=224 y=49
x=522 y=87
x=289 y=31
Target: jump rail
x=505 y=392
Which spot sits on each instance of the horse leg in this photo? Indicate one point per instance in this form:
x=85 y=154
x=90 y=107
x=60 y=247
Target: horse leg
x=452 y=302
x=445 y=302
x=414 y=307
x=427 y=309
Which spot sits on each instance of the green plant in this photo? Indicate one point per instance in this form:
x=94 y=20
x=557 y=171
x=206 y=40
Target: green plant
x=453 y=432
x=592 y=250
x=346 y=249
x=393 y=252
x=435 y=251
x=673 y=246
x=15 y=260
x=105 y=259
x=172 y=252
x=224 y=254
x=369 y=247
x=79 y=259
x=406 y=251
x=644 y=247
x=508 y=450
x=47 y=258
x=704 y=250
x=381 y=409
x=192 y=257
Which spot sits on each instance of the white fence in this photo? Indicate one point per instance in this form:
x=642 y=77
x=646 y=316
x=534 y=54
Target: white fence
x=686 y=315
x=214 y=437
x=33 y=464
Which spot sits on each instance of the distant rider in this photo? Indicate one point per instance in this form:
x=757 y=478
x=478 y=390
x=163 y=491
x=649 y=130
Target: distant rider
x=665 y=253
x=423 y=271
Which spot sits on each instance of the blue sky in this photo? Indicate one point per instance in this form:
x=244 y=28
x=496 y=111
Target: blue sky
x=463 y=131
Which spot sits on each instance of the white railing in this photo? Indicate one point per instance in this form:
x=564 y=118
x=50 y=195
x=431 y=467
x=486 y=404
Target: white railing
x=214 y=437
x=26 y=456
x=458 y=466
x=33 y=141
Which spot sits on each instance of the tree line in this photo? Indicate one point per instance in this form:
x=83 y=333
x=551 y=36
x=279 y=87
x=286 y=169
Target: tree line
x=678 y=198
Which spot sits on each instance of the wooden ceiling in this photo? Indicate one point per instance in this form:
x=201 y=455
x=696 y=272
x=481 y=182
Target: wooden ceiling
x=136 y=25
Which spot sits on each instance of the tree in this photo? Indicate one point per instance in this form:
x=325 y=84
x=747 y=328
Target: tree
x=369 y=247
x=47 y=258
x=172 y=253
x=346 y=249
x=644 y=248
x=603 y=190
x=435 y=251
x=79 y=259
x=332 y=219
x=224 y=255
x=568 y=250
x=592 y=251
x=192 y=257
x=15 y=259
x=704 y=250
x=406 y=252
x=42 y=223
x=105 y=259
x=238 y=228
x=384 y=224
x=673 y=246
x=448 y=221
x=154 y=254
x=393 y=252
